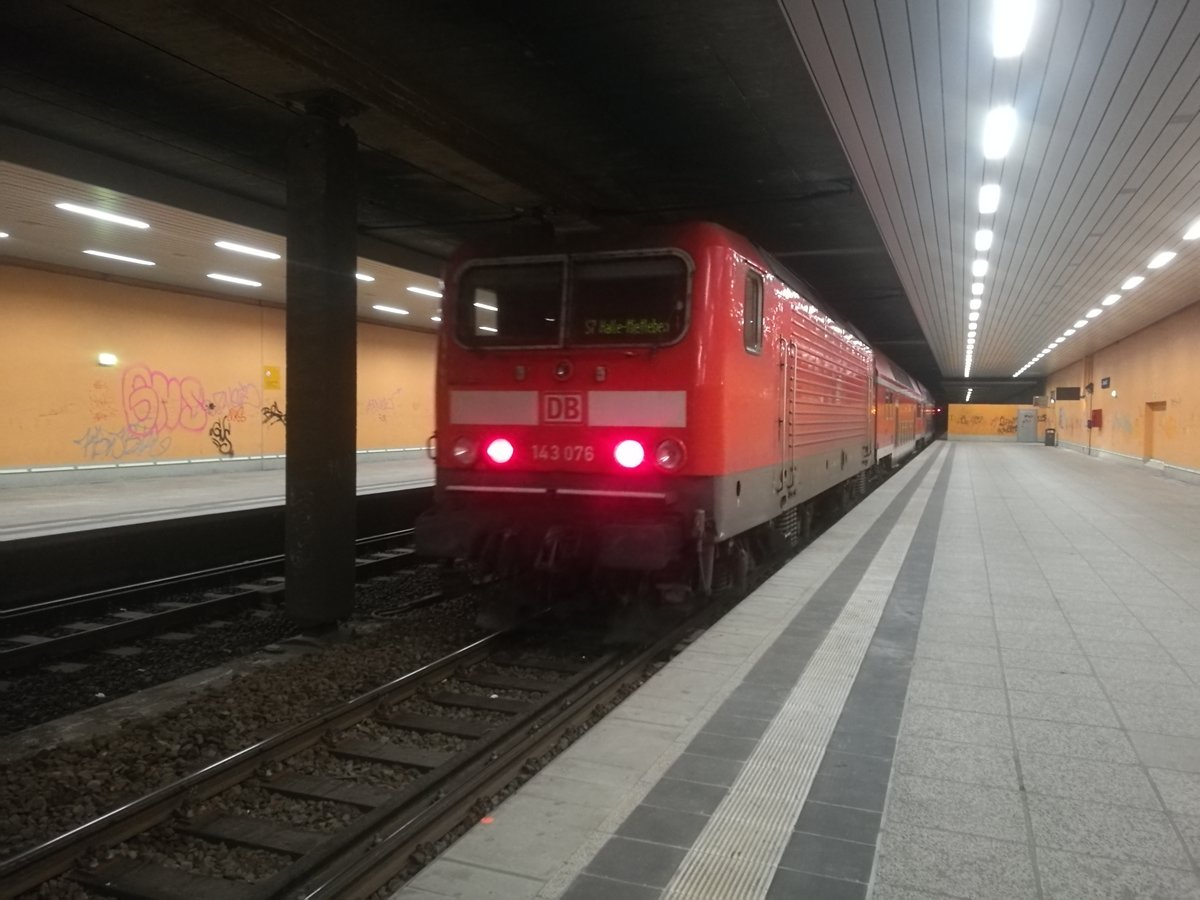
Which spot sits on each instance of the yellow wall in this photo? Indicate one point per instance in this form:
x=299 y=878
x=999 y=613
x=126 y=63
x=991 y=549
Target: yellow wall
x=982 y=420
x=1158 y=365
x=191 y=381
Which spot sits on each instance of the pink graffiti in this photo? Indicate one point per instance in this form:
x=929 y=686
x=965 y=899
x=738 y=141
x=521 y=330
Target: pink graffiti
x=156 y=403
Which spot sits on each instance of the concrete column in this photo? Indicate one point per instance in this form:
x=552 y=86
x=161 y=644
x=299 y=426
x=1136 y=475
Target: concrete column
x=321 y=344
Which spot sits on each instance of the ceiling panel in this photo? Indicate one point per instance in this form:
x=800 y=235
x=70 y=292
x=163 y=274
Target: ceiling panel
x=1102 y=174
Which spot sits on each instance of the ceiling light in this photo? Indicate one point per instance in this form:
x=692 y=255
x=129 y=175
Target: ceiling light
x=1059 y=340
x=101 y=214
x=998 y=130
x=435 y=318
x=395 y=310
x=488 y=328
x=1068 y=332
x=1161 y=260
x=128 y=259
x=1193 y=231
x=973 y=317
x=3 y=234
x=976 y=303
x=1132 y=282
x=977 y=288
x=983 y=239
x=361 y=277
x=487 y=307
x=1012 y=20
x=971 y=326
x=249 y=251
x=979 y=268
x=989 y=199
x=107 y=359
x=1110 y=299
x=233 y=279
x=1092 y=313
x=426 y=292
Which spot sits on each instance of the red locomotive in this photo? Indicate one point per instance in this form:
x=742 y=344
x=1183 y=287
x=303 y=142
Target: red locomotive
x=648 y=409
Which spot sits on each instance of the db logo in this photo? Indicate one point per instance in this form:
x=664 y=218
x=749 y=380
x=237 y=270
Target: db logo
x=562 y=408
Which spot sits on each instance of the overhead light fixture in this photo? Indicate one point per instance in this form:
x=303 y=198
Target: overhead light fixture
x=101 y=214
x=487 y=307
x=425 y=292
x=395 y=310
x=973 y=317
x=1161 y=260
x=979 y=268
x=1132 y=282
x=977 y=288
x=3 y=235
x=1092 y=313
x=1193 y=231
x=1012 y=20
x=971 y=326
x=119 y=258
x=1110 y=300
x=435 y=318
x=233 y=279
x=249 y=251
x=1068 y=332
x=488 y=328
x=1080 y=323
x=107 y=359
x=361 y=277
x=976 y=303
x=983 y=239
x=1059 y=340
x=989 y=199
x=998 y=130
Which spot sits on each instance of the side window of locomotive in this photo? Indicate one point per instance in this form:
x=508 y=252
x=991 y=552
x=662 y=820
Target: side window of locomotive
x=627 y=300
x=510 y=306
x=752 y=313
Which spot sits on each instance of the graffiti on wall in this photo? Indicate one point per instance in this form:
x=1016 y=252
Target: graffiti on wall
x=157 y=403
x=272 y=414
x=116 y=444
x=219 y=435
x=234 y=402
x=381 y=406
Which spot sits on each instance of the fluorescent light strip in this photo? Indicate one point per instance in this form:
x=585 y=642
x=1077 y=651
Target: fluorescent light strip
x=1132 y=282
x=1160 y=260
x=361 y=277
x=119 y=258
x=101 y=214
x=1012 y=20
x=1092 y=313
x=3 y=234
x=391 y=309
x=488 y=308
x=435 y=318
x=999 y=128
x=1110 y=300
x=233 y=279
x=425 y=292
x=989 y=199
x=1193 y=231
x=249 y=251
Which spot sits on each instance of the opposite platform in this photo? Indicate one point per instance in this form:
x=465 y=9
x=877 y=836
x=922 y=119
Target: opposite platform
x=983 y=682
x=39 y=510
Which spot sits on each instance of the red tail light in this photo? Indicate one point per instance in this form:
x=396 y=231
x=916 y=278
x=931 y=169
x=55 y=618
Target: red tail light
x=500 y=451
x=629 y=454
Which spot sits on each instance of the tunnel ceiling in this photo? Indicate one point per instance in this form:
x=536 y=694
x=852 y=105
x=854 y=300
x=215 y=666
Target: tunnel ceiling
x=475 y=117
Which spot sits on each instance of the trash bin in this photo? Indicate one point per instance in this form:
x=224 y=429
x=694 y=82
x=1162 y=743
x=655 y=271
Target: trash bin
x=1051 y=437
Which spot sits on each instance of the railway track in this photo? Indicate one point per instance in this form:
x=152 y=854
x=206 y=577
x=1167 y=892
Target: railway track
x=428 y=748
x=55 y=629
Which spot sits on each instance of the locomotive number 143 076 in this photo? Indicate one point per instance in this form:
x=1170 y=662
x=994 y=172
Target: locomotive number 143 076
x=563 y=453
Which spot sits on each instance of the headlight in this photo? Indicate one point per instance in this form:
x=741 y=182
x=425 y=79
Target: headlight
x=465 y=451
x=669 y=455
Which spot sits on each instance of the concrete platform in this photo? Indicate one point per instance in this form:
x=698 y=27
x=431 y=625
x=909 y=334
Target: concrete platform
x=35 y=510
x=984 y=682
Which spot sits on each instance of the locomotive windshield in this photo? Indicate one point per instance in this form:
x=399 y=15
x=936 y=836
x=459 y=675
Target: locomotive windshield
x=609 y=300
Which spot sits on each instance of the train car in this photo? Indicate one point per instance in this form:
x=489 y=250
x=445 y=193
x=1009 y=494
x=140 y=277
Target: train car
x=646 y=409
x=904 y=414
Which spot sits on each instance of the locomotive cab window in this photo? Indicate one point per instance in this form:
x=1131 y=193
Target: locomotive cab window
x=752 y=313
x=638 y=300
x=517 y=305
